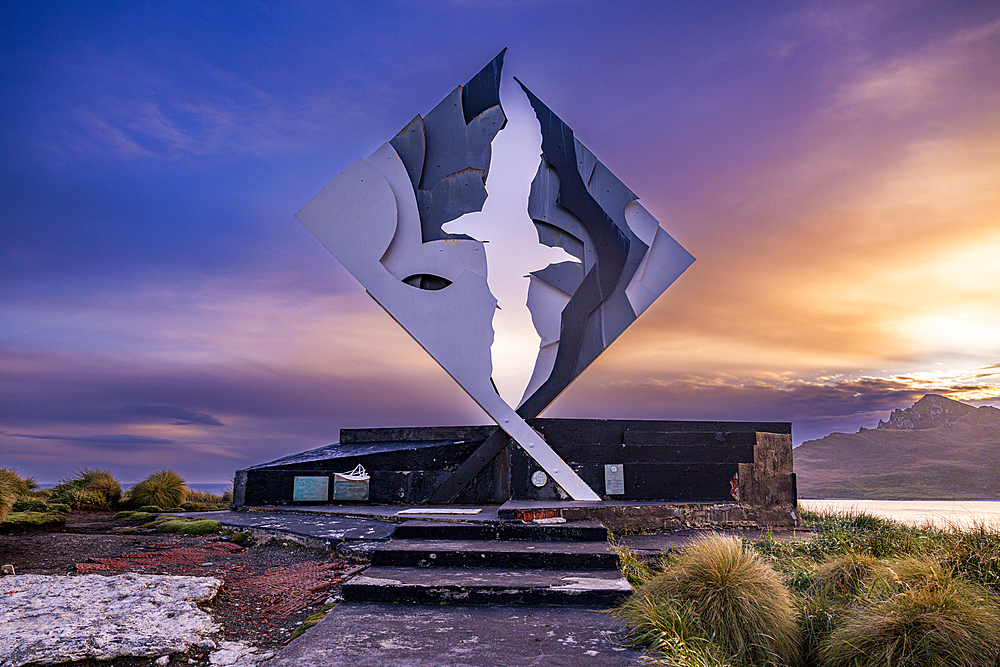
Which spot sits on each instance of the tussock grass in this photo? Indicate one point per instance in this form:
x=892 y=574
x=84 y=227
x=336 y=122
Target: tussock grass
x=164 y=488
x=718 y=591
x=88 y=489
x=918 y=614
x=7 y=494
x=20 y=486
x=13 y=487
x=843 y=576
x=207 y=498
x=865 y=591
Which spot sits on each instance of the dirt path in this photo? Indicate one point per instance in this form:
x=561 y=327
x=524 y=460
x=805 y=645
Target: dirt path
x=269 y=588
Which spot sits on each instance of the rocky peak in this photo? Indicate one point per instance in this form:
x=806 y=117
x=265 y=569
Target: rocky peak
x=930 y=411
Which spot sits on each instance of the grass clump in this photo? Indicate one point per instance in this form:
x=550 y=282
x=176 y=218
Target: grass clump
x=88 y=489
x=843 y=577
x=164 y=488
x=13 y=487
x=7 y=496
x=208 y=499
x=866 y=591
x=720 y=600
x=918 y=613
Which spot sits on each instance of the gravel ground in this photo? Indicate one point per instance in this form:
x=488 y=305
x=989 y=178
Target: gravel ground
x=270 y=588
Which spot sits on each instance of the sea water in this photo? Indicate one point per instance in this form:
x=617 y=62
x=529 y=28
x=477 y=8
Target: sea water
x=939 y=513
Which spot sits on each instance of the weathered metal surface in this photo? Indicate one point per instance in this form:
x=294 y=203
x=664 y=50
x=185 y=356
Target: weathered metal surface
x=447 y=152
x=315 y=489
x=382 y=218
x=579 y=205
x=349 y=489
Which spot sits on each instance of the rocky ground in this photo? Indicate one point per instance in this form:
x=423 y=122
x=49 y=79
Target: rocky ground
x=269 y=588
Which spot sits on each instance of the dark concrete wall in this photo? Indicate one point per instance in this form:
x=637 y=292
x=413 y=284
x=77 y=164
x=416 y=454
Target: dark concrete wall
x=673 y=461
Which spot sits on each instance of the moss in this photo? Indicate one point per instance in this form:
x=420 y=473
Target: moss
x=122 y=515
x=126 y=530
x=16 y=520
x=311 y=621
x=241 y=538
x=199 y=527
x=149 y=508
x=171 y=526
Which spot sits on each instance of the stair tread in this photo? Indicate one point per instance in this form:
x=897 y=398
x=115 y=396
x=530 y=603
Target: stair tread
x=496 y=546
x=495 y=578
x=587 y=530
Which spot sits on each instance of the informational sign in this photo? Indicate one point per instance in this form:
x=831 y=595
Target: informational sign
x=614 y=479
x=316 y=489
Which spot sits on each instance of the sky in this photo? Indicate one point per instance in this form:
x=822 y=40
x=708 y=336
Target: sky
x=833 y=166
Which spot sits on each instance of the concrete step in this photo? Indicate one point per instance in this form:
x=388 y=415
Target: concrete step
x=493 y=553
x=571 y=531
x=487 y=586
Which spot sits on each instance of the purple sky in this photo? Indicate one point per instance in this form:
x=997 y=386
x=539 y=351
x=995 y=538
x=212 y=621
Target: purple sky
x=834 y=167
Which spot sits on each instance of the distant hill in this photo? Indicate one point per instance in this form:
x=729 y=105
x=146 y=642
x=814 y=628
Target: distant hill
x=938 y=448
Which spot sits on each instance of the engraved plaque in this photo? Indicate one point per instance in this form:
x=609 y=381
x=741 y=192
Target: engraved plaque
x=311 y=488
x=614 y=479
x=350 y=489
x=539 y=479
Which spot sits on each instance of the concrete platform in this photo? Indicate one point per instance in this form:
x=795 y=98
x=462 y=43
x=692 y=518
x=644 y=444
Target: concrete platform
x=386 y=635
x=617 y=515
x=392 y=513
x=487 y=586
x=321 y=531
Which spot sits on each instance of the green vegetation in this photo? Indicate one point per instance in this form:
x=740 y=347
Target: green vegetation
x=7 y=494
x=915 y=613
x=164 y=488
x=88 y=489
x=720 y=601
x=24 y=506
x=23 y=520
x=311 y=621
x=863 y=592
x=184 y=526
x=13 y=488
x=206 y=500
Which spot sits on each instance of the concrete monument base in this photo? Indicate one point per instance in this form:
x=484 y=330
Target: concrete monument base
x=695 y=473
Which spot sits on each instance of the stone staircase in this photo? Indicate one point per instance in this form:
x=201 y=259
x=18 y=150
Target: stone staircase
x=430 y=562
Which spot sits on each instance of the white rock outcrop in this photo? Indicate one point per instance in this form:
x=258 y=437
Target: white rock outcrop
x=50 y=619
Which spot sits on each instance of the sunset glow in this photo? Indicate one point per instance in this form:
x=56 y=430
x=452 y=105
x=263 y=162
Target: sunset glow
x=833 y=167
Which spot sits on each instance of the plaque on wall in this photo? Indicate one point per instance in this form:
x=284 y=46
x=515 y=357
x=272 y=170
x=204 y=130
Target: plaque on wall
x=614 y=479
x=315 y=489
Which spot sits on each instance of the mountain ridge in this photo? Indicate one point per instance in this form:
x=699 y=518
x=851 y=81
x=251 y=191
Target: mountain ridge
x=938 y=448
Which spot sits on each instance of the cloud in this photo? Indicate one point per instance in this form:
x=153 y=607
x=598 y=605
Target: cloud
x=183 y=416
x=815 y=405
x=116 y=441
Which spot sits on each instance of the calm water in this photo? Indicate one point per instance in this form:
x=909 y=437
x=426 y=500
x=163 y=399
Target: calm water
x=941 y=513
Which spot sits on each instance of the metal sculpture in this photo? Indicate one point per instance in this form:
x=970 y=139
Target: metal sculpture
x=382 y=219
